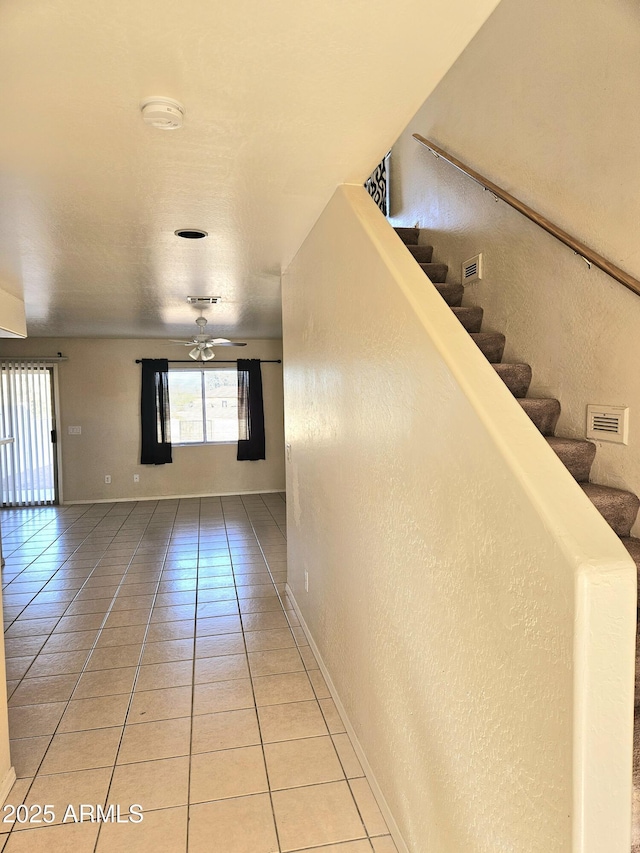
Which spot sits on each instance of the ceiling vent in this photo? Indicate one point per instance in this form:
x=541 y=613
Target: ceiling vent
x=608 y=423
x=203 y=300
x=162 y=113
x=472 y=269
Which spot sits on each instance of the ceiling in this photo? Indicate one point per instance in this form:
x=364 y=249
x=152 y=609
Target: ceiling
x=283 y=101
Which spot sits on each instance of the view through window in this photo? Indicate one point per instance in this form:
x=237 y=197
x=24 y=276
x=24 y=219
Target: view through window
x=204 y=405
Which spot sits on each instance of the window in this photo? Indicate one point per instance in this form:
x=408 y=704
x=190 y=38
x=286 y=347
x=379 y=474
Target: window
x=204 y=405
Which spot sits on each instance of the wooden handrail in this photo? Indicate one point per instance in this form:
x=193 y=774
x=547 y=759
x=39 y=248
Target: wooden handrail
x=578 y=247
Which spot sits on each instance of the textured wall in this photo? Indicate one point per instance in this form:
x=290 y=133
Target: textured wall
x=453 y=563
x=543 y=103
x=100 y=391
x=12 y=318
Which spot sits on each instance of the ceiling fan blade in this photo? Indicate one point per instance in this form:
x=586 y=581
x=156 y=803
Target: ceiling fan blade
x=219 y=343
x=184 y=343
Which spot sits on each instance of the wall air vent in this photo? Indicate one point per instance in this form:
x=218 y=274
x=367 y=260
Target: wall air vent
x=472 y=269
x=608 y=423
x=203 y=300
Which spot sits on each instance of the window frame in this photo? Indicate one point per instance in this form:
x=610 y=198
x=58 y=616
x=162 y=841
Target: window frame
x=201 y=369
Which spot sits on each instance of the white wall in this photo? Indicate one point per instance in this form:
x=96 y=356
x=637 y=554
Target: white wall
x=474 y=612
x=100 y=391
x=543 y=102
x=12 y=317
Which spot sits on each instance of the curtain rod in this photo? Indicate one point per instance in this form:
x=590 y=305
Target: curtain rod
x=217 y=361
x=53 y=358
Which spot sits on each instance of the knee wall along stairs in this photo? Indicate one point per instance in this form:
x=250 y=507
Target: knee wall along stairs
x=618 y=507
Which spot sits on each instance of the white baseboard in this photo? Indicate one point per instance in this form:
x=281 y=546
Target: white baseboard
x=7 y=784
x=382 y=803
x=172 y=497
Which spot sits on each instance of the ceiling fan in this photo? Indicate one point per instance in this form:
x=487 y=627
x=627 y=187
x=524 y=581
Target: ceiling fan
x=202 y=343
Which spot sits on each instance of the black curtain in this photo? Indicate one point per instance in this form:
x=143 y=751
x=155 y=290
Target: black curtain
x=251 y=444
x=154 y=412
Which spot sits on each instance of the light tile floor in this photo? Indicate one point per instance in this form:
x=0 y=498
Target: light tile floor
x=153 y=659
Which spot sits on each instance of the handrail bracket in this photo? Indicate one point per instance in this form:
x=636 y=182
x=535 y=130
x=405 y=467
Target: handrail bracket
x=588 y=255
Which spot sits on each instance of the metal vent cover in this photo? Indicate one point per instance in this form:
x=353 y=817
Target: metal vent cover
x=472 y=269
x=608 y=423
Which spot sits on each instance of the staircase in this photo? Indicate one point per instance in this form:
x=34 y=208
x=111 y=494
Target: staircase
x=619 y=508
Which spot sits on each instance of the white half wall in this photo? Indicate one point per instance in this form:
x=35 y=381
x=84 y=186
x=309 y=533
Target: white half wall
x=475 y=613
x=543 y=103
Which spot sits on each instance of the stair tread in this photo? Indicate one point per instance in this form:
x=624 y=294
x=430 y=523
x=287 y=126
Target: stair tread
x=632 y=544
x=576 y=454
x=436 y=272
x=470 y=316
x=490 y=343
x=543 y=411
x=422 y=254
x=487 y=335
x=451 y=293
x=409 y=236
x=596 y=489
x=561 y=441
x=617 y=506
x=517 y=377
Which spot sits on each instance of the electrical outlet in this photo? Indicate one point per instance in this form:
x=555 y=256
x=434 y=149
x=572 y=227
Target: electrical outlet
x=306 y=581
x=136 y=478
x=107 y=478
x=288 y=447
x=75 y=430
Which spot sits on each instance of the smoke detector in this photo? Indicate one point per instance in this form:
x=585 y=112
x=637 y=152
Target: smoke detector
x=163 y=113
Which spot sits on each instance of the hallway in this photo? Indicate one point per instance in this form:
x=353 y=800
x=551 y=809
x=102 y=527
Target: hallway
x=153 y=658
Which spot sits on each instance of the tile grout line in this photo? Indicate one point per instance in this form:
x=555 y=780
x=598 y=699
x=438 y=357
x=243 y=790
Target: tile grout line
x=82 y=672
x=255 y=703
x=26 y=568
x=137 y=673
x=66 y=703
x=58 y=620
x=355 y=802
x=193 y=675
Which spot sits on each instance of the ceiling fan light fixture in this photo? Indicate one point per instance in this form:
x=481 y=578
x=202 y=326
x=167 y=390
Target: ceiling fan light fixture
x=207 y=354
x=195 y=353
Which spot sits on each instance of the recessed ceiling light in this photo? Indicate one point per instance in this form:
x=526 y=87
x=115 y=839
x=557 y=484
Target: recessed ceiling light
x=191 y=233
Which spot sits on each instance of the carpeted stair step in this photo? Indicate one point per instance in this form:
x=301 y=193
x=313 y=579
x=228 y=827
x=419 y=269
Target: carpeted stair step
x=436 y=272
x=471 y=317
x=636 y=727
x=451 y=293
x=633 y=547
x=618 y=508
x=576 y=455
x=409 y=236
x=517 y=377
x=491 y=344
x=422 y=254
x=543 y=411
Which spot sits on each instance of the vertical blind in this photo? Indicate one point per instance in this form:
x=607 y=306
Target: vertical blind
x=26 y=466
